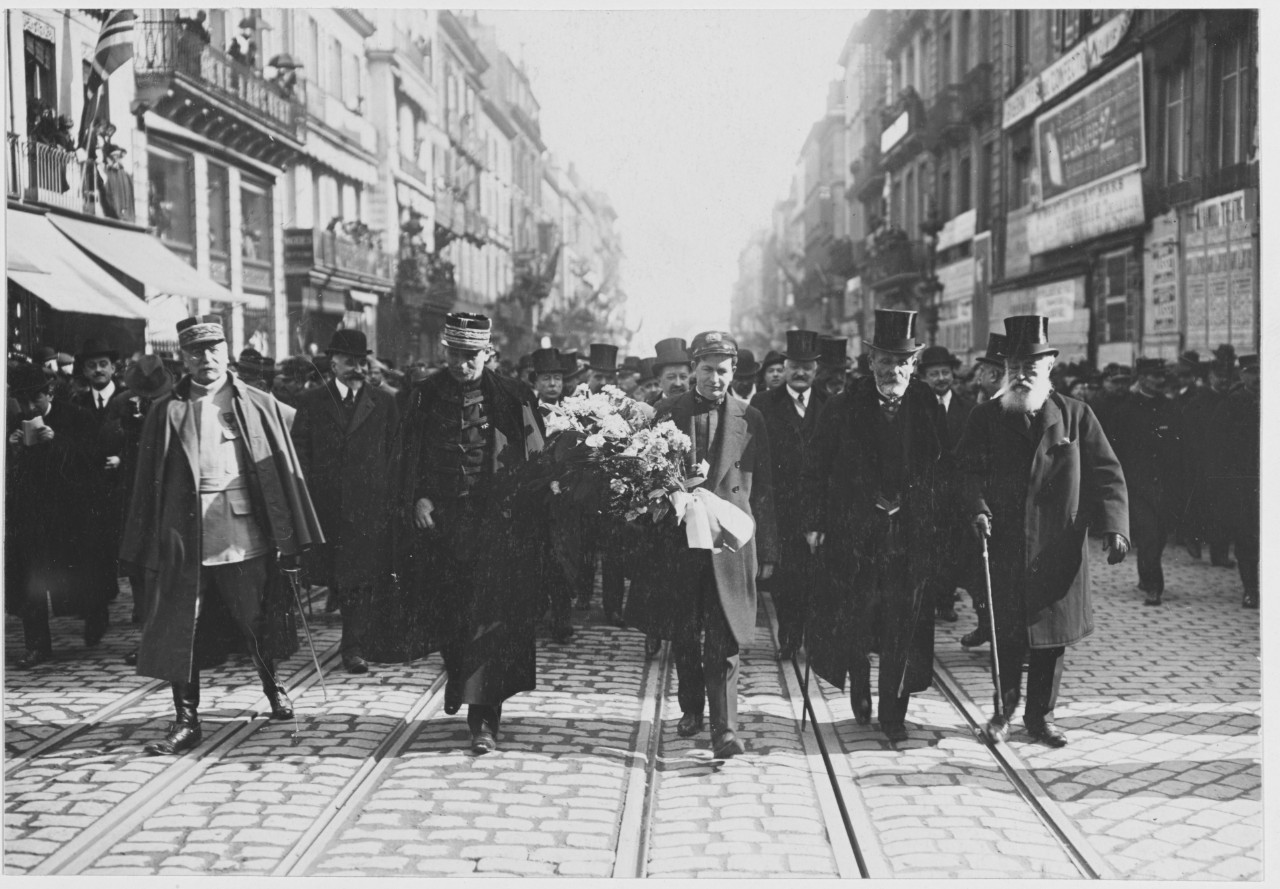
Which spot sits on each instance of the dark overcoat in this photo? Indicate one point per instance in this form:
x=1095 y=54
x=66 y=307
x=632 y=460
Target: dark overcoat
x=164 y=532
x=346 y=466
x=742 y=474
x=841 y=484
x=1043 y=492
x=790 y=441
x=105 y=494
x=1143 y=432
x=1234 y=461
x=1197 y=502
x=497 y=605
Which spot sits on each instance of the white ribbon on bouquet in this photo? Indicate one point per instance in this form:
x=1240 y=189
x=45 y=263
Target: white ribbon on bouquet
x=712 y=522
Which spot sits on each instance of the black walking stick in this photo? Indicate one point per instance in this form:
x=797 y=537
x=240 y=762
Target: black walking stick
x=1001 y=718
x=295 y=585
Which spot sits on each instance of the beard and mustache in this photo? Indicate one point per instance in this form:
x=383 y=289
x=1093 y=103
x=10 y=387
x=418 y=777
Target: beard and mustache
x=1020 y=396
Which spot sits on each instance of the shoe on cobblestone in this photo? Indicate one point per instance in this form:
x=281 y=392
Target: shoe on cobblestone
x=281 y=706
x=787 y=651
x=894 y=731
x=1250 y=600
x=182 y=736
x=1153 y=597
x=482 y=742
x=1046 y=733
x=980 y=635
x=131 y=659
x=93 y=632
x=353 y=663
x=689 y=725
x=862 y=711
x=562 y=635
x=996 y=729
x=615 y=618
x=33 y=659
x=727 y=746
x=1193 y=549
x=652 y=645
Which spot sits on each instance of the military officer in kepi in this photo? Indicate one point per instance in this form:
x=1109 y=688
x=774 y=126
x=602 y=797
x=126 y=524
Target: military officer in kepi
x=467 y=552
x=873 y=497
x=218 y=503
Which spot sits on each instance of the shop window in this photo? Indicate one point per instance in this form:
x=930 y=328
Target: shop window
x=255 y=237
x=171 y=208
x=219 y=224
x=1115 y=298
x=1231 y=128
x=1175 y=135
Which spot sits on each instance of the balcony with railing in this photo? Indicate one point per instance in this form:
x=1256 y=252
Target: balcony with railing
x=350 y=125
x=46 y=174
x=890 y=261
x=337 y=251
x=181 y=77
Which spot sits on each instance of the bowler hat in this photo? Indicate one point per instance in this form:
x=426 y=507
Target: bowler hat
x=547 y=361
x=713 y=342
x=349 y=342
x=802 y=345
x=1190 y=360
x=200 y=329
x=630 y=364
x=603 y=357
x=27 y=378
x=937 y=355
x=148 y=378
x=833 y=351
x=895 y=332
x=747 y=366
x=1226 y=353
x=1027 y=337
x=670 y=351
x=995 y=350
x=43 y=354
x=96 y=348
x=774 y=357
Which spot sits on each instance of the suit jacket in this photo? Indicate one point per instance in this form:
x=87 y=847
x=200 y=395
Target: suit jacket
x=957 y=413
x=347 y=468
x=1043 y=493
x=741 y=473
x=105 y=492
x=790 y=443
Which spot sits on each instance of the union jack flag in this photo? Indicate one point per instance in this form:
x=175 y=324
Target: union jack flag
x=115 y=47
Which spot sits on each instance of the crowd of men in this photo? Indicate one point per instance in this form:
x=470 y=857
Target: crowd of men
x=874 y=486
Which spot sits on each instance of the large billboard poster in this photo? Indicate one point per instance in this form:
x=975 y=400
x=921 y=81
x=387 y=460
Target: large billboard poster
x=1220 y=272
x=1094 y=135
x=1160 y=280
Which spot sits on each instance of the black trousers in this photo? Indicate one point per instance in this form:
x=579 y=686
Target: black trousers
x=36 y=634
x=792 y=585
x=874 y=633
x=352 y=600
x=1150 y=532
x=707 y=659
x=1247 y=546
x=1044 y=676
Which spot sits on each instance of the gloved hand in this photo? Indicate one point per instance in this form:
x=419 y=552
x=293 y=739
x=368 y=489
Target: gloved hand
x=981 y=525
x=1118 y=546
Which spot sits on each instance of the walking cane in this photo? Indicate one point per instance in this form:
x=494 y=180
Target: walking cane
x=991 y=629
x=295 y=585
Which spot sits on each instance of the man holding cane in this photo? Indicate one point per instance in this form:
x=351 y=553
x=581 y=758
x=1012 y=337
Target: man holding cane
x=1038 y=471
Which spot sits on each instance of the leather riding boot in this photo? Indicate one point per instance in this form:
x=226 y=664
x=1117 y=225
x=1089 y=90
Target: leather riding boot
x=184 y=731
x=281 y=706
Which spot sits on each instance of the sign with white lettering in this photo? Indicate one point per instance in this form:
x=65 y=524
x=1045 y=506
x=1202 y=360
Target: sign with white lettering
x=1078 y=62
x=894 y=133
x=1107 y=206
x=1093 y=135
x=958 y=229
x=1160 y=281
x=1220 y=271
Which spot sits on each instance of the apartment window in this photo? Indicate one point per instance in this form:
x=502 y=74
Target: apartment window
x=313 y=49
x=255 y=236
x=1020 y=178
x=909 y=66
x=219 y=220
x=909 y=201
x=895 y=203
x=42 y=82
x=944 y=194
x=1175 y=136
x=171 y=208
x=334 y=65
x=962 y=41
x=1021 y=46
x=1066 y=27
x=1115 y=297
x=1231 y=132
x=964 y=186
x=945 y=74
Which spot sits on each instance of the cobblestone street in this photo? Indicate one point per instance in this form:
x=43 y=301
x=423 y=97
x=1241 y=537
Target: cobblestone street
x=1161 y=779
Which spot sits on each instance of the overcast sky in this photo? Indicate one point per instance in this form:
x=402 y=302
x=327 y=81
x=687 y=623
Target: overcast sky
x=691 y=122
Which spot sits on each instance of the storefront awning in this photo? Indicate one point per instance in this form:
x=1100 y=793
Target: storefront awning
x=40 y=259
x=145 y=259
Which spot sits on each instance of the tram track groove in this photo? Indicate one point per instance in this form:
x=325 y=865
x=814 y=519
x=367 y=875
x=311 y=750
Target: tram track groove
x=315 y=840
x=1020 y=776
x=125 y=816
x=639 y=803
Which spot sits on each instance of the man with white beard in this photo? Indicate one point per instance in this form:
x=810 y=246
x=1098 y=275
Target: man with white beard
x=1038 y=471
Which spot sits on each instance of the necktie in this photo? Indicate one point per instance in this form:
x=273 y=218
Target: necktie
x=350 y=400
x=800 y=403
x=100 y=402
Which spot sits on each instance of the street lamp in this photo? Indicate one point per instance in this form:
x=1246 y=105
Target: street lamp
x=930 y=287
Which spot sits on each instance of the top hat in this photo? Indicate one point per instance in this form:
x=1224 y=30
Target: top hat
x=630 y=364
x=349 y=342
x=774 y=357
x=200 y=329
x=1250 y=362
x=27 y=378
x=570 y=361
x=1028 y=337
x=670 y=351
x=547 y=361
x=252 y=365
x=467 y=331
x=148 y=378
x=713 y=342
x=603 y=357
x=895 y=332
x=937 y=355
x=96 y=348
x=802 y=345
x=1150 y=366
x=747 y=366
x=833 y=351
x=995 y=350
x=646 y=370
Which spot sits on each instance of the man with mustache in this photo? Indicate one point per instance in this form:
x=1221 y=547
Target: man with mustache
x=872 y=498
x=791 y=414
x=1038 y=472
x=344 y=433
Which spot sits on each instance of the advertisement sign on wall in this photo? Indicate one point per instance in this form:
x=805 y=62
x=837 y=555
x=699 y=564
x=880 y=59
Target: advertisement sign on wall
x=1064 y=303
x=1096 y=209
x=1160 y=282
x=1017 y=254
x=955 y=311
x=1219 y=271
x=1094 y=135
